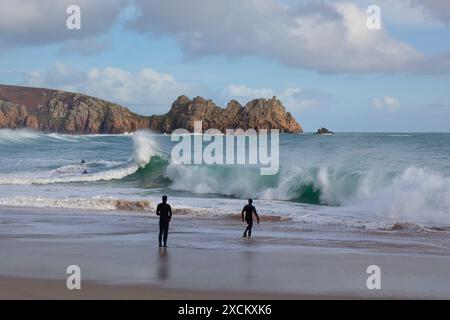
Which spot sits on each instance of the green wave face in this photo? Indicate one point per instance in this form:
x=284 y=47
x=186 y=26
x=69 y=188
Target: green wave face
x=152 y=175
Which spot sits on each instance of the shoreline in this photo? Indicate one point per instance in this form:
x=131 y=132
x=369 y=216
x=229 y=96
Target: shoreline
x=119 y=258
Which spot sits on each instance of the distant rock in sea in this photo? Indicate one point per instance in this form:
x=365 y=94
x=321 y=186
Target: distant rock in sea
x=64 y=112
x=323 y=131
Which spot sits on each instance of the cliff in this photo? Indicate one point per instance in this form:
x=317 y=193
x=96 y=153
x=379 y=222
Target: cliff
x=63 y=112
x=257 y=114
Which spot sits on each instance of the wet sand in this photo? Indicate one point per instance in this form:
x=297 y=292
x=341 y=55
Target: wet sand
x=32 y=289
x=207 y=259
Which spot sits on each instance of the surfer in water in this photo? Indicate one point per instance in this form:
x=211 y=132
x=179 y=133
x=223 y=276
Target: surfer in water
x=164 y=211
x=249 y=211
x=83 y=162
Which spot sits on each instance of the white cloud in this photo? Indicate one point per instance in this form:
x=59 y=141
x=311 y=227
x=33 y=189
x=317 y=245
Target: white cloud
x=32 y=22
x=324 y=36
x=405 y=13
x=387 y=103
x=238 y=91
x=146 y=91
x=295 y=99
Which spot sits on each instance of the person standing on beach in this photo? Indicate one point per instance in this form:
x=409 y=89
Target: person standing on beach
x=164 y=211
x=249 y=211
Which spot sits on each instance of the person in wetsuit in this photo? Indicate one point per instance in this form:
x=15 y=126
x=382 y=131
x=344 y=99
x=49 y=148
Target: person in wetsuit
x=164 y=211
x=249 y=210
x=83 y=166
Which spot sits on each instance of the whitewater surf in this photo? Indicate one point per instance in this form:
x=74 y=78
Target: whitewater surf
x=346 y=179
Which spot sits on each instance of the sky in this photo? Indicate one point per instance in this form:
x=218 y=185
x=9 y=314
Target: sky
x=318 y=57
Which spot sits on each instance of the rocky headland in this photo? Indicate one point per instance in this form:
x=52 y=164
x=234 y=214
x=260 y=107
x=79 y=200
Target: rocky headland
x=73 y=113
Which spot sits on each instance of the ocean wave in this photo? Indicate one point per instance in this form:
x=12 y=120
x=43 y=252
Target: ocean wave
x=14 y=136
x=401 y=194
x=115 y=174
x=413 y=194
x=9 y=136
x=110 y=204
x=144 y=150
x=399 y=135
x=17 y=136
x=95 y=203
x=127 y=205
x=72 y=168
x=303 y=220
x=60 y=137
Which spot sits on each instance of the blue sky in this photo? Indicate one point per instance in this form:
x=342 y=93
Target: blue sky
x=318 y=57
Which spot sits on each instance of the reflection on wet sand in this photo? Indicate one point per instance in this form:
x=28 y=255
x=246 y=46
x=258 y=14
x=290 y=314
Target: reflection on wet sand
x=249 y=268
x=163 y=264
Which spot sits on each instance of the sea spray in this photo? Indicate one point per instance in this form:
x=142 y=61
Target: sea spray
x=417 y=194
x=413 y=194
x=235 y=147
x=144 y=148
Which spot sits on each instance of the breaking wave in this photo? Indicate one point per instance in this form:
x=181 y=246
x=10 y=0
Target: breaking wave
x=112 y=204
x=8 y=136
x=144 y=150
x=414 y=194
x=95 y=203
x=411 y=193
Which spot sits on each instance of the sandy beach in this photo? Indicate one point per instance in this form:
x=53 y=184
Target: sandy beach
x=32 y=289
x=326 y=121
x=119 y=259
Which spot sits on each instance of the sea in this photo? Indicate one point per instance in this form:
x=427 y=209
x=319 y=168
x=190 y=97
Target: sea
x=353 y=181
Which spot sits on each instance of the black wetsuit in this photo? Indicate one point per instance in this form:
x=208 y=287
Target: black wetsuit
x=248 y=217
x=164 y=211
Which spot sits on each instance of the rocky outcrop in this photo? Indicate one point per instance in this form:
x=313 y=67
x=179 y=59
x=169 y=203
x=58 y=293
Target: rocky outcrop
x=324 y=131
x=15 y=116
x=257 y=114
x=64 y=112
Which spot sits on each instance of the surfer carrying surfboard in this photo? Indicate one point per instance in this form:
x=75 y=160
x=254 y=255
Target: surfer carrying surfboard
x=249 y=211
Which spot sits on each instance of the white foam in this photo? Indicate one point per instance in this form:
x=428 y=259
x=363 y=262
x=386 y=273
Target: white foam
x=62 y=137
x=99 y=176
x=9 y=136
x=66 y=203
x=144 y=149
x=103 y=204
x=417 y=195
